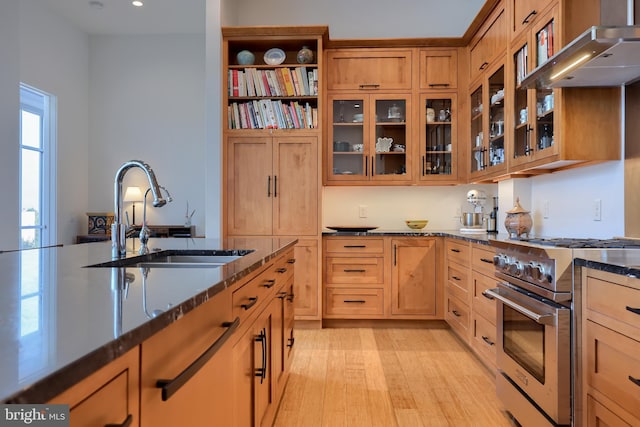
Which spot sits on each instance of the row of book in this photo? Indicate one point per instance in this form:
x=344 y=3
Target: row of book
x=521 y=64
x=271 y=114
x=284 y=81
x=545 y=43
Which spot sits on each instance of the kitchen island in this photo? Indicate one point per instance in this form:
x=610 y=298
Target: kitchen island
x=61 y=321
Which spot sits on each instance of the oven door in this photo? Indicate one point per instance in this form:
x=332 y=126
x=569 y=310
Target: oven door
x=534 y=348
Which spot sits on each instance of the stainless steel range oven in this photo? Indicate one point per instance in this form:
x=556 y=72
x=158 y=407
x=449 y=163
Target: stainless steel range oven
x=534 y=332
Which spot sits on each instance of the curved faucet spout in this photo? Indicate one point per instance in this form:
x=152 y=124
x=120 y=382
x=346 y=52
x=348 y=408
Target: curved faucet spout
x=118 y=229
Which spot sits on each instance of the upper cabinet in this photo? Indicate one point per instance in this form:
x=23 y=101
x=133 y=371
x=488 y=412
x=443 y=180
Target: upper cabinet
x=438 y=68
x=489 y=44
x=524 y=13
x=369 y=69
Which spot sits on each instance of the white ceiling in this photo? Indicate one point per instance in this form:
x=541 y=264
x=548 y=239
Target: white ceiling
x=120 y=17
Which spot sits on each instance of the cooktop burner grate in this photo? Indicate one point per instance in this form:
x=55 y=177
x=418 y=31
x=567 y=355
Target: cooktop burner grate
x=578 y=243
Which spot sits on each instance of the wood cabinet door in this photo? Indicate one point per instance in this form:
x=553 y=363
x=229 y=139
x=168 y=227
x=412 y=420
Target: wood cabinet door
x=295 y=186
x=438 y=68
x=491 y=42
x=250 y=186
x=369 y=69
x=306 y=288
x=525 y=12
x=413 y=283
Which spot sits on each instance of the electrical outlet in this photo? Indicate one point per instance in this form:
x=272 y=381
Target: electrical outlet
x=362 y=211
x=545 y=209
x=597 y=210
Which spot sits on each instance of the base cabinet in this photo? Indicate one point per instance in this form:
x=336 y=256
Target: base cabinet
x=458 y=288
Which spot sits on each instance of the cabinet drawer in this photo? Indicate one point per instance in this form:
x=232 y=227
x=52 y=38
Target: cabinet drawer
x=484 y=305
x=599 y=415
x=482 y=259
x=457 y=316
x=609 y=304
x=284 y=267
x=613 y=366
x=369 y=69
x=458 y=276
x=354 y=302
x=354 y=271
x=525 y=12
x=458 y=251
x=354 y=246
x=248 y=299
x=483 y=339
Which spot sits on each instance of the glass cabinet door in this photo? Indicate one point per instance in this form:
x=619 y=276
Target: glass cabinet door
x=522 y=128
x=347 y=151
x=496 y=119
x=390 y=145
x=477 y=132
x=544 y=98
x=438 y=137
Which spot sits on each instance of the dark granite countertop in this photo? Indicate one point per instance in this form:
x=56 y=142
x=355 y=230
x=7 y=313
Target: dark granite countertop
x=482 y=238
x=60 y=321
x=618 y=261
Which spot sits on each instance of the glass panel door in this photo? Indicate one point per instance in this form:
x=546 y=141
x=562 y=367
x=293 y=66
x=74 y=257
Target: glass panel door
x=522 y=129
x=438 y=147
x=477 y=134
x=390 y=141
x=496 y=118
x=347 y=151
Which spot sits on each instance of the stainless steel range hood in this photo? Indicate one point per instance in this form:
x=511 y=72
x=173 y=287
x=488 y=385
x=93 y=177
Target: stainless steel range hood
x=601 y=56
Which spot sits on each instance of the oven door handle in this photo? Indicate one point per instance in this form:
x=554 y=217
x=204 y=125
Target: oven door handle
x=537 y=316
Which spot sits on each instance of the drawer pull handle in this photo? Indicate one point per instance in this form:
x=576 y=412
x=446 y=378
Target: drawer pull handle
x=526 y=19
x=291 y=297
x=354 y=246
x=455 y=250
x=291 y=261
x=370 y=86
x=438 y=84
x=251 y=303
x=455 y=313
x=351 y=270
x=633 y=310
x=281 y=270
x=486 y=295
x=484 y=65
x=456 y=278
x=282 y=295
x=126 y=423
x=488 y=261
x=170 y=387
x=636 y=381
x=354 y=301
x=487 y=340
x=269 y=283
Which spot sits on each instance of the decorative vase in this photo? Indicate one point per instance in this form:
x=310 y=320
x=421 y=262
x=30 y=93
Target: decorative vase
x=305 y=55
x=245 y=57
x=518 y=221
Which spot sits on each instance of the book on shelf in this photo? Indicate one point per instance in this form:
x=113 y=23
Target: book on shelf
x=271 y=114
x=280 y=82
x=544 y=39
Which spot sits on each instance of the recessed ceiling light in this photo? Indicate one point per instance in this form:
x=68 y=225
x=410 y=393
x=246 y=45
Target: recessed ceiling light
x=137 y=3
x=95 y=4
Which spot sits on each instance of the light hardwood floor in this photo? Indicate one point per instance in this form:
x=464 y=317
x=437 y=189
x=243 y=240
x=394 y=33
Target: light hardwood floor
x=387 y=377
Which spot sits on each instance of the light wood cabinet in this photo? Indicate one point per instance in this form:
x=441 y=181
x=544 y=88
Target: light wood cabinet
x=457 y=288
x=369 y=69
x=383 y=277
x=438 y=68
x=610 y=348
x=439 y=148
x=369 y=139
x=307 y=289
x=414 y=277
x=489 y=43
x=483 y=306
x=524 y=13
x=107 y=397
x=185 y=368
x=272 y=185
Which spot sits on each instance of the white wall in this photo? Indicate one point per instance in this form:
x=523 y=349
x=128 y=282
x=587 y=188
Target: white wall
x=364 y=18
x=147 y=102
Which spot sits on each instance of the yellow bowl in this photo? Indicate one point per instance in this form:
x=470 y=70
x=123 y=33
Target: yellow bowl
x=416 y=224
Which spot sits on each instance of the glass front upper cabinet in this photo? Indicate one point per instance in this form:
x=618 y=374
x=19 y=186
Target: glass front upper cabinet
x=438 y=137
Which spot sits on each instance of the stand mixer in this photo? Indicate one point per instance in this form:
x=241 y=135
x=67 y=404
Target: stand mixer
x=473 y=222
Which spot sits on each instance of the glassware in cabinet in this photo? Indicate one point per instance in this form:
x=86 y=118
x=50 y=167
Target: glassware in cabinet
x=438 y=137
x=347 y=149
x=496 y=147
x=391 y=138
x=477 y=131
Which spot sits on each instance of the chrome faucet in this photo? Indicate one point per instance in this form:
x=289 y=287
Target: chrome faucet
x=144 y=231
x=118 y=228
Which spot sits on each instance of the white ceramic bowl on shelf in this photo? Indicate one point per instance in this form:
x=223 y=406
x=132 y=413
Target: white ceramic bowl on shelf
x=274 y=56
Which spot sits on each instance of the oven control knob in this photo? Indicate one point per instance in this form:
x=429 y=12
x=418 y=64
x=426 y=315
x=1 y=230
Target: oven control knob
x=499 y=260
x=515 y=268
x=536 y=271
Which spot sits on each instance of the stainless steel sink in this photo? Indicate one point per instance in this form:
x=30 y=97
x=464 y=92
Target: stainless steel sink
x=180 y=259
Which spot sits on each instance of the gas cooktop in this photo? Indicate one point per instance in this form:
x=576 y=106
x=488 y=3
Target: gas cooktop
x=579 y=243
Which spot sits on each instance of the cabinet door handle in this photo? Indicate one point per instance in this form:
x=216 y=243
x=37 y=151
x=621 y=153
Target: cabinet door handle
x=455 y=250
x=439 y=84
x=170 y=387
x=282 y=295
x=262 y=371
x=126 y=423
x=486 y=339
x=275 y=186
x=354 y=270
x=354 y=301
x=455 y=313
x=484 y=65
x=526 y=19
x=369 y=86
x=291 y=261
x=366 y=166
x=395 y=254
x=424 y=166
x=372 y=163
x=354 y=246
x=456 y=278
x=281 y=270
x=633 y=310
x=291 y=297
x=636 y=381
x=269 y=283
x=486 y=295
x=290 y=342
x=488 y=261
x=251 y=303
x=269 y=186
